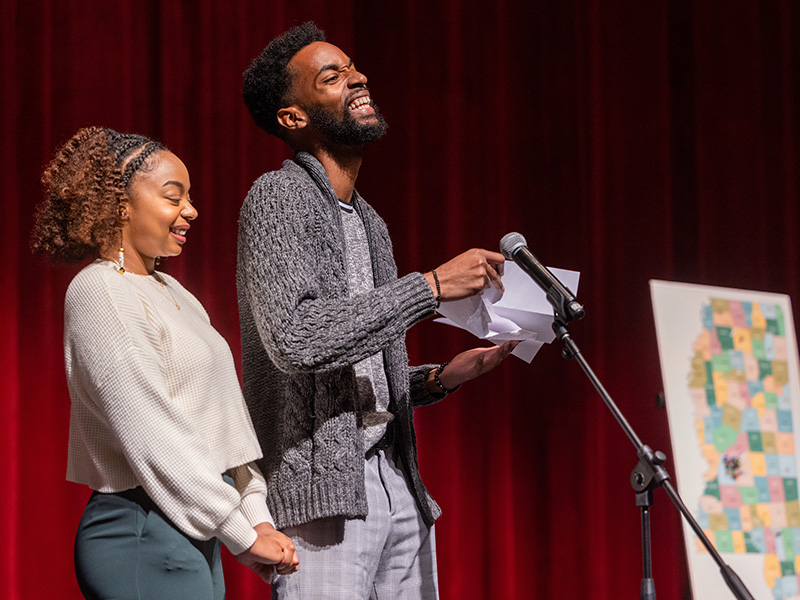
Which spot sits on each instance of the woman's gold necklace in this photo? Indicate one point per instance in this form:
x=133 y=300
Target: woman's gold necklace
x=160 y=286
x=155 y=280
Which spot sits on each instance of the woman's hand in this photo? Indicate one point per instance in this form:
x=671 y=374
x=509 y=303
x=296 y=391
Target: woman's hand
x=271 y=552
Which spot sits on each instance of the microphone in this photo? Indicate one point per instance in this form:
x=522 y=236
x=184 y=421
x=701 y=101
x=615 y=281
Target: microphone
x=514 y=247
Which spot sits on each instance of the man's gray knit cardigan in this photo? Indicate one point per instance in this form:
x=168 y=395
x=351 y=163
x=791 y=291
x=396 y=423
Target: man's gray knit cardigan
x=301 y=335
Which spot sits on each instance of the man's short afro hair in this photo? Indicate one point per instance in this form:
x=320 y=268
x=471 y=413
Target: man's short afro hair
x=267 y=79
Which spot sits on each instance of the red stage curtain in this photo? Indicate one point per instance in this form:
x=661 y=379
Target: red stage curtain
x=627 y=140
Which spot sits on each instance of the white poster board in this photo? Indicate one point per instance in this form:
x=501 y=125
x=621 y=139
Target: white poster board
x=730 y=369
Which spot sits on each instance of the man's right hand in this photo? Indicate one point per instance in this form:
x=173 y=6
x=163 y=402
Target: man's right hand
x=467 y=274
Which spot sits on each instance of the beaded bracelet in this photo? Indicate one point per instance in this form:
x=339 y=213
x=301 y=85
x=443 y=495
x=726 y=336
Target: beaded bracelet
x=438 y=289
x=436 y=380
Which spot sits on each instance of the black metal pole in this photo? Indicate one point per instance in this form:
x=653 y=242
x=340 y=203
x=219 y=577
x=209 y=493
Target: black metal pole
x=649 y=472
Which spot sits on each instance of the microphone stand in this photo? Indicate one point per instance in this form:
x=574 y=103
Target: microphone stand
x=646 y=476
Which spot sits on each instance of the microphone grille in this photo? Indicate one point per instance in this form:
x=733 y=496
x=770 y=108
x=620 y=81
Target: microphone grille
x=510 y=243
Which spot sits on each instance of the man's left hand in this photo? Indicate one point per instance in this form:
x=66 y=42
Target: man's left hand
x=469 y=365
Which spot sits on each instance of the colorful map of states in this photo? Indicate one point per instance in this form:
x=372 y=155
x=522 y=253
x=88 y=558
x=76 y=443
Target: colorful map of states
x=738 y=381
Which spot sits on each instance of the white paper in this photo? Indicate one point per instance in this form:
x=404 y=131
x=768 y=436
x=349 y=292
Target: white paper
x=522 y=313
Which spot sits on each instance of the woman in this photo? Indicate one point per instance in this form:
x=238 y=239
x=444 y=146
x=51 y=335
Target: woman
x=157 y=413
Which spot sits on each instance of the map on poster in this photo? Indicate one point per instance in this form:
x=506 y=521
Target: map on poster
x=729 y=363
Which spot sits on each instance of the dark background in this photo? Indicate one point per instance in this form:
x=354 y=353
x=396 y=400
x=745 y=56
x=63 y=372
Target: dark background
x=627 y=140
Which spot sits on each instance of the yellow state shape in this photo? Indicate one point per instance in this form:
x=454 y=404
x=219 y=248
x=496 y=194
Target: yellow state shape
x=702 y=345
x=744 y=517
x=758 y=464
x=721 y=313
x=697 y=375
x=758 y=321
x=718 y=522
x=720 y=388
x=738 y=542
x=768 y=442
x=759 y=403
x=700 y=428
x=763 y=514
x=772 y=568
x=711 y=455
x=741 y=340
x=780 y=373
x=756 y=519
x=797 y=563
x=793 y=515
x=732 y=417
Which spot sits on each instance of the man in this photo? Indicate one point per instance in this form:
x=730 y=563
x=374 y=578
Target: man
x=323 y=320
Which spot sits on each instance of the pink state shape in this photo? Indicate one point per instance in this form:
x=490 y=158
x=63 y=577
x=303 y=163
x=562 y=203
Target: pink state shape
x=776 y=491
x=738 y=448
x=700 y=401
x=780 y=347
x=735 y=398
x=777 y=514
x=744 y=391
x=769 y=421
x=769 y=540
x=716 y=347
x=730 y=496
x=737 y=314
x=751 y=367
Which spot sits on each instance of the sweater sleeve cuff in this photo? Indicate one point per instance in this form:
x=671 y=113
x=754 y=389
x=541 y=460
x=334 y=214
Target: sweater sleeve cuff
x=254 y=508
x=414 y=296
x=236 y=532
x=420 y=396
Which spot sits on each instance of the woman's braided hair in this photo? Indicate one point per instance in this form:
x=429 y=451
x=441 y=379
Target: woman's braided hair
x=85 y=184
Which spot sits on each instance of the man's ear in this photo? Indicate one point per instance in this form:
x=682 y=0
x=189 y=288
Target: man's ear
x=292 y=117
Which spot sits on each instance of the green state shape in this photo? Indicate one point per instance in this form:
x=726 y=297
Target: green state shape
x=725 y=338
x=712 y=489
x=721 y=363
x=724 y=437
x=771 y=400
x=757 y=347
x=749 y=495
x=790 y=488
x=780 y=321
x=787 y=567
x=772 y=326
x=788 y=543
x=754 y=438
x=748 y=544
x=723 y=541
x=711 y=397
x=764 y=368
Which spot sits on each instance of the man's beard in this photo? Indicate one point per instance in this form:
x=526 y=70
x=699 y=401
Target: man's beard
x=346 y=130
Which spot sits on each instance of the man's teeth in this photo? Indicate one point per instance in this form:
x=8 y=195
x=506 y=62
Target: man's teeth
x=359 y=102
